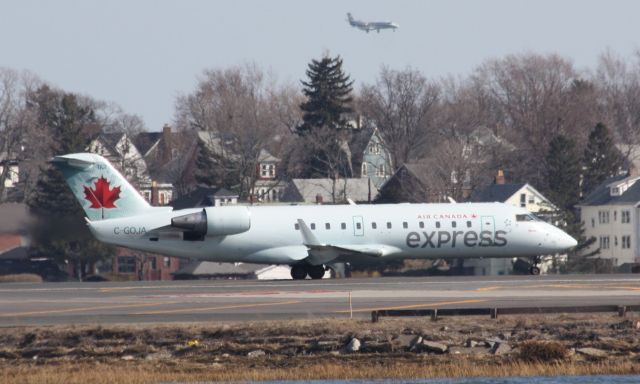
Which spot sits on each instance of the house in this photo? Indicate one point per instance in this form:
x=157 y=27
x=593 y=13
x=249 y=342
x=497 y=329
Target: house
x=120 y=150
x=13 y=171
x=373 y=160
x=521 y=195
x=136 y=265
x=411 y=183
x=205 y=197
x=318 y=191
x=611 y=214
x=268 y=187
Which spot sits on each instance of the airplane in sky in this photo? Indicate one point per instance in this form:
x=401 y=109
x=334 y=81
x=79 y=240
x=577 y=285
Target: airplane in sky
x=309 y=238
x=371 y=25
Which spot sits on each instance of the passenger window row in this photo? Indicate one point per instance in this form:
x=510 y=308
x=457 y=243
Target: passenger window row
x=374 y=225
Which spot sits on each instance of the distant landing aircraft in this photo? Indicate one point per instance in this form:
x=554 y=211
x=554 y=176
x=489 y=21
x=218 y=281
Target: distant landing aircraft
x=372 y=25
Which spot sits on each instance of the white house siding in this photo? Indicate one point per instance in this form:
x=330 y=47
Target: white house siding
x=614 y=229
x=534 y=201
x=13 y=178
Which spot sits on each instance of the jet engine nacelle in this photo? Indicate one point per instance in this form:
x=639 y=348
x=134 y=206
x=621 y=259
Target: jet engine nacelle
x=214 y=221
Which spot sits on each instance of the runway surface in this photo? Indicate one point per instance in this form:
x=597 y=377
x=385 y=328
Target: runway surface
x=226 y=300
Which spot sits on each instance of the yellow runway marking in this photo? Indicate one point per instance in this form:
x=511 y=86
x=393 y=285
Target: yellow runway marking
x=560 y=286
x=437 y=303
x=84 y=309
x=161 y=312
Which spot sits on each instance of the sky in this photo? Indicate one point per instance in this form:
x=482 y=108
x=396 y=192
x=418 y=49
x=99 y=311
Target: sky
x=142 y=54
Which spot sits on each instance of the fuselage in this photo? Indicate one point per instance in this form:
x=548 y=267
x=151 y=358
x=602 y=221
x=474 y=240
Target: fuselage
x=465 y=230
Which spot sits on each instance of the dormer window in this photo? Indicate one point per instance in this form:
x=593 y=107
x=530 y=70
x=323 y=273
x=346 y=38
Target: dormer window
x=364 y=169
x=267 y=171
x=616 y=191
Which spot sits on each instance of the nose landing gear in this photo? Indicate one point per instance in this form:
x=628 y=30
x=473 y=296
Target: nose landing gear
x=300 y=271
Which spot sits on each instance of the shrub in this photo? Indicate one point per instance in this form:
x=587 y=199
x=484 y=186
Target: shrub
x=543 y=351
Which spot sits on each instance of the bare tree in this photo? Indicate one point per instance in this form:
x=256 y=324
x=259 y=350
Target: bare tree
x=618 y=84
x=401 y=104
x=20 y=137
x=533 y=97
x=236 y=107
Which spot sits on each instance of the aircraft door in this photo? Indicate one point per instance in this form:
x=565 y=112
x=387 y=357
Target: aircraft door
x=488 y=225
x=358 y=226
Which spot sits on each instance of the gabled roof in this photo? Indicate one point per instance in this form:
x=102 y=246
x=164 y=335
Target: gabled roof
x=144 y=141
x=356 y=189
x=110 y=141
x=496 y=192
x=266 y=157
x=602 y=195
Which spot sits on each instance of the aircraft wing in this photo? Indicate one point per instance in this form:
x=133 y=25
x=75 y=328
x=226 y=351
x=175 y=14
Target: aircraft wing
x=321 y=253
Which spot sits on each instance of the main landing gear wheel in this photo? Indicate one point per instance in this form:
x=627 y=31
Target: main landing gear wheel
x=298 y=272
x=316 y=271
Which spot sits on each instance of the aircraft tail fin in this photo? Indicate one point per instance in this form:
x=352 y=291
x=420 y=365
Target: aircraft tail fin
x=100 y=189
x=349 y=17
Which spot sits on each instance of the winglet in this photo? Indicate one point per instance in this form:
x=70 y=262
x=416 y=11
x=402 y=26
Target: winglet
x=307 y=236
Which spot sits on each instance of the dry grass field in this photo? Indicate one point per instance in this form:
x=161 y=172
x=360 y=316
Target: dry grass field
x=321 y=349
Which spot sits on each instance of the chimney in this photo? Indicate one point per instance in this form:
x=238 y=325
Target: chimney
x=318 y=199
x=168 y=145
x=500 y=177
x=155 y=195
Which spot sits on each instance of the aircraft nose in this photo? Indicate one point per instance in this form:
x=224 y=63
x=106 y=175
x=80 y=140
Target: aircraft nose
x=564 y=241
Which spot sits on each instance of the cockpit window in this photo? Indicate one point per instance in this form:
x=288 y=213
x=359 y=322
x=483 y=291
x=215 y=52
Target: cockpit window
x=526 y=217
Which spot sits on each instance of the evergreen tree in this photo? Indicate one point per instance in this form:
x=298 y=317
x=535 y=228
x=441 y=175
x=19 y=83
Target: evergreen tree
x=214 y=169
x=322 y=149
x=328 y=93
x=59 y=231
x=563 y=173
x=601 y=159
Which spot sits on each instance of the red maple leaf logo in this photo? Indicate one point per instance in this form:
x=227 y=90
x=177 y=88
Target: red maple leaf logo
x=102 y=196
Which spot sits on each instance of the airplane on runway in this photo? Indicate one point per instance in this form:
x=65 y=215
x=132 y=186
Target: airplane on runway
x=371 y=25
x=308 y=238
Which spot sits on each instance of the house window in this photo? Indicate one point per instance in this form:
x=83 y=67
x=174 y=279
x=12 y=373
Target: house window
x=532 y=199
x=604 y=242
x=523 y=199
x=364 y=169
x=380 y=171
x=603 y=217
x=626 y=242
x=152 y=264
x=625 y=217
x=593 y=222
x=167 y=262
x=126 y=264
x=374 y=148
x=615 y=215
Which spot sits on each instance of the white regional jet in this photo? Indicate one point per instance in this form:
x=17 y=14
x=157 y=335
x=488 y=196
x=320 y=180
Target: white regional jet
x=307 y=238
x=371 y=25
